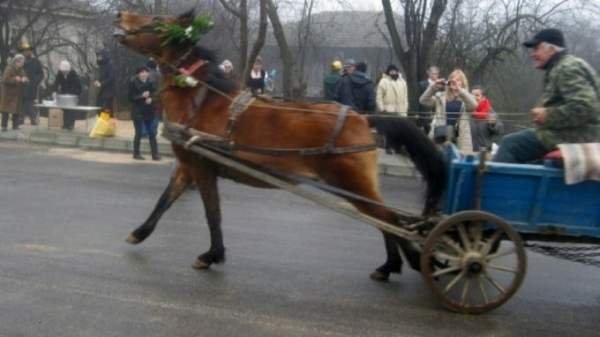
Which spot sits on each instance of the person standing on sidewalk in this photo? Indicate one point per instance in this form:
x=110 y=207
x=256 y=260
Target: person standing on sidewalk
x=357 y=90
x=67 y=83
x=105 y=82
x=484 y=122
x=141 y=91
x=14 y=81
x=330 y=81
x=392 y=95
x=424 y=117
x=35 y=74
x=257 y=79
x=453 y=104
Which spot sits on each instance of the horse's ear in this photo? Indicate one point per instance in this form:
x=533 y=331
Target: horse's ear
x=186 y=19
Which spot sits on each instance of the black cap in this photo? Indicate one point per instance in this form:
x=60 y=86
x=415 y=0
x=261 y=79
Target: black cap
x=361 y=66
x=550 y=35
x=141 y=68
x=390 y=68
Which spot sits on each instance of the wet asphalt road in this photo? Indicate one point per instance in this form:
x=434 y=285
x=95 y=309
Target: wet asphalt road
x=293 y=269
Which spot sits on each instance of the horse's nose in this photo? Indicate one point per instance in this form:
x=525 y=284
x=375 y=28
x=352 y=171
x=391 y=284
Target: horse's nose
x=119 y=15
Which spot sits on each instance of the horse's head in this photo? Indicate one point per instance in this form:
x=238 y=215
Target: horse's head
x=144 y=34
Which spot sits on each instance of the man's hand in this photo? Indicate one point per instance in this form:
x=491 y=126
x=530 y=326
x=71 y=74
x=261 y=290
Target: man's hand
x=146 y=94
x=538 y=115
x=97 y=84
x=148 y=100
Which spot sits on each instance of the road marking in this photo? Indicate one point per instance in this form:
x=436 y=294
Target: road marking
x=274 y=323
x=39 y=248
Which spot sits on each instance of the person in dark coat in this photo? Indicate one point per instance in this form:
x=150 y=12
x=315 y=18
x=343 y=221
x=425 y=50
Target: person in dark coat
x=256 y=80
x=330 y=81
x=67 y=82
x=423 y=119
x=355 y=89
x=105 y=81
x=35 y=73
x=141 y=91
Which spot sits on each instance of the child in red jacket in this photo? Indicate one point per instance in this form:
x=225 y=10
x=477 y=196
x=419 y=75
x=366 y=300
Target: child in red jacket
x=484 y=107
x=484 y=124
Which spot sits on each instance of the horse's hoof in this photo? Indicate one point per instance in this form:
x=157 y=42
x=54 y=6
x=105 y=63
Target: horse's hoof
x=379 y=276
x=200 y=265
x=132 y=239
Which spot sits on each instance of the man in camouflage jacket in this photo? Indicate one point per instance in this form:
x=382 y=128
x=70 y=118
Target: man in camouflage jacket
x=569 y=109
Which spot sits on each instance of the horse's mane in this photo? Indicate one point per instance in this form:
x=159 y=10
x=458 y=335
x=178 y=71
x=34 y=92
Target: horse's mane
x=215 y=76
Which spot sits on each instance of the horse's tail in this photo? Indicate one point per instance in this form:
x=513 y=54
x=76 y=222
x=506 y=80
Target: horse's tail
x=404 y=136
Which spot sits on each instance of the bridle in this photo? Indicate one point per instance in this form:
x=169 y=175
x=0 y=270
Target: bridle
x=152 y=28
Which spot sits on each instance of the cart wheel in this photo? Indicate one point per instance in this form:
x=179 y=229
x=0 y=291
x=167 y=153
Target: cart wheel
x=466 y=265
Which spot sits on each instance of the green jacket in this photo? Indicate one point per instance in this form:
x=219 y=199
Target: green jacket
x=572 y=99
x=329 y=85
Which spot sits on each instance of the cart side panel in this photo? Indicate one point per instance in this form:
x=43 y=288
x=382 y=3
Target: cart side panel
x=577 y=205
x=533 y=198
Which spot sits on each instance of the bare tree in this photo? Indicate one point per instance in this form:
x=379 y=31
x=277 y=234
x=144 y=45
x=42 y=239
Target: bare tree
x=241 y=13
x=24 y=20
x=414 y=48
x=478 y=35
x=287 y=58
x=260 y=40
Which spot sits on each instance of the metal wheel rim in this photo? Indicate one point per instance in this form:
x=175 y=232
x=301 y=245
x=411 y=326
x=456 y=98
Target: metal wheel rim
x=429 y=272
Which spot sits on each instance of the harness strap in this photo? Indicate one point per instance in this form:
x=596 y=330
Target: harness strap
x=197 y=101
x=306 y=151
x=339 y=124
x=237 y=107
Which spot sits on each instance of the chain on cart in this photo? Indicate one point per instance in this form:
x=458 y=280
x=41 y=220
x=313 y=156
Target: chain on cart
x=588 y=254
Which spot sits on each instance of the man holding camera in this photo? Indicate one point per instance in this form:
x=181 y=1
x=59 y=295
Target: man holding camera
x=569 y=109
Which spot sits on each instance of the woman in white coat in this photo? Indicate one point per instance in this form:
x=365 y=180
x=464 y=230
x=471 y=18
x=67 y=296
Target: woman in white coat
x=453 y=107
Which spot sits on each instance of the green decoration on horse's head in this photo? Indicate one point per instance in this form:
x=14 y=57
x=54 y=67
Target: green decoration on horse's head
x=176 y=33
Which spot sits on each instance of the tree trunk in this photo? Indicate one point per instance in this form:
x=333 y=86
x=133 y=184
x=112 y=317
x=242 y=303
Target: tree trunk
x=243 y=38
x=420 y=37
x=260 y=40
x=287 y=57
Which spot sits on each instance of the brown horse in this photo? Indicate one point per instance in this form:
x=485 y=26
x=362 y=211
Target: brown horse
x=268 y=124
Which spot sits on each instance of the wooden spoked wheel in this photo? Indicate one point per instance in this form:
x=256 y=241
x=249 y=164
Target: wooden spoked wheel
x=473 y=261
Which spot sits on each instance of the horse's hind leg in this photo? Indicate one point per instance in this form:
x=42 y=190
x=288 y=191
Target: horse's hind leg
x=364 y=181
x=206 y=180
x=180 y=180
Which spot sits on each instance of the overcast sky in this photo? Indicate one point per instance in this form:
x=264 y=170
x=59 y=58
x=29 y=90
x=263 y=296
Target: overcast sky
x=374 y=5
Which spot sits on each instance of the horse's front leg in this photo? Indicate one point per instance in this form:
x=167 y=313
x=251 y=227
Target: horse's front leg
x=206 y=181
x=179 y=182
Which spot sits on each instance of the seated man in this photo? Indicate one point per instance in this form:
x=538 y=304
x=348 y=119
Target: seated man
x=569 y=109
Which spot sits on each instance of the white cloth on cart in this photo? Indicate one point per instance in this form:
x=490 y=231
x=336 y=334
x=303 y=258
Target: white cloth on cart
x=581 y=162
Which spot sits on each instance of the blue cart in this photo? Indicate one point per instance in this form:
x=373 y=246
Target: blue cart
x=474 y=259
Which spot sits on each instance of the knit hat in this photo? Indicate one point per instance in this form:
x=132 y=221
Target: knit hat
x=64 y=66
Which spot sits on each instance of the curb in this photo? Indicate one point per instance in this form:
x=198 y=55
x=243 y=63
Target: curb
x=398 y=168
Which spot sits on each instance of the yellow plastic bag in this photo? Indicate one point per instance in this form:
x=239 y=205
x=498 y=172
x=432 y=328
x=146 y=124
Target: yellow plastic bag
x=105 y=116
x=104 y=127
